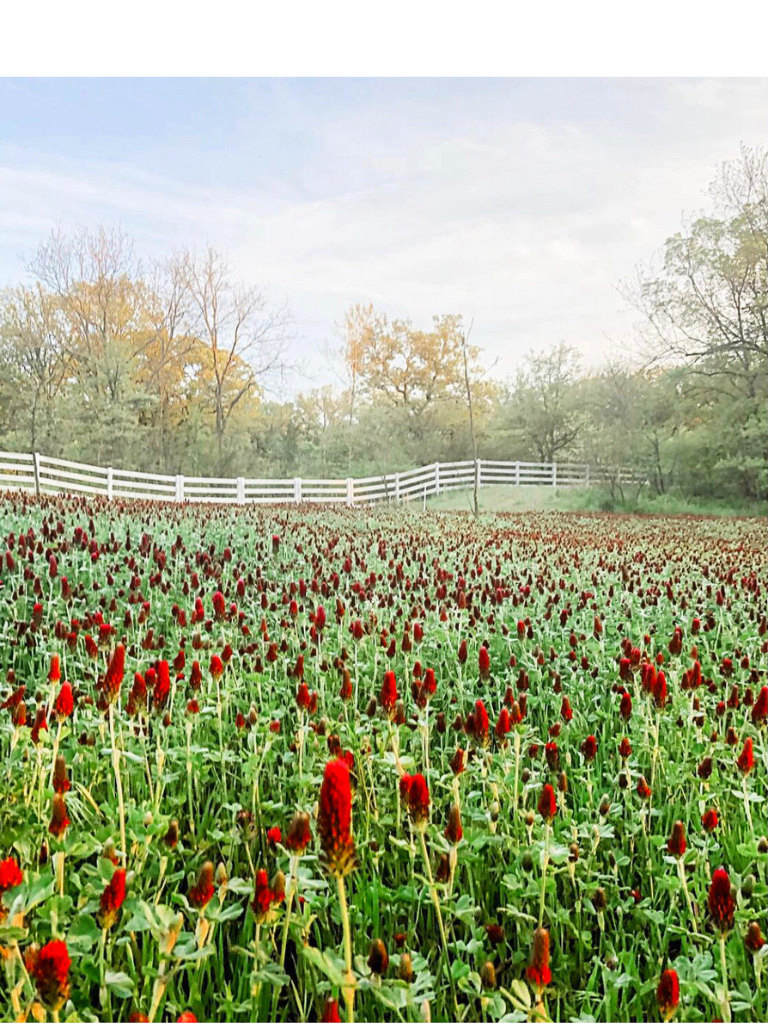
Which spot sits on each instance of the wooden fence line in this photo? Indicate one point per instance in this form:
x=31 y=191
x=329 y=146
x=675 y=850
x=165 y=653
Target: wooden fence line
x=42 y=474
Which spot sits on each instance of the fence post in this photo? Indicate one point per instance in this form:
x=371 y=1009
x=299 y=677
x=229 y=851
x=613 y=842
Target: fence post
x=240 y=490
x=397 y=488
x=350 y=491
x=179 y=487
x=110 y=484
x=37 y=474
x=554 y=474
x=437 y=478
x=479 y=473
x=586 y=475
x=297 y=490
x=517 y=474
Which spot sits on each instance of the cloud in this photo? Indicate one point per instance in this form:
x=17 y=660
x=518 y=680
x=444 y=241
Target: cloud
x=488 y=200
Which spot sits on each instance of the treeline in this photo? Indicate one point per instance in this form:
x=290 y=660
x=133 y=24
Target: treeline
x=170 y=367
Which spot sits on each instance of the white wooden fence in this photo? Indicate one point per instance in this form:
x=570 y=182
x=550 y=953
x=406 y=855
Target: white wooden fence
x=44 y=475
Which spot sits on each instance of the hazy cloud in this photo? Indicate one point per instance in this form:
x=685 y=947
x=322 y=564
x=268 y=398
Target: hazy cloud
x=518 y=203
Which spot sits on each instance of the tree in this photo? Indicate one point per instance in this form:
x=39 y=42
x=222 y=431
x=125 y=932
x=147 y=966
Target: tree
x=94 y=281
x=241 y=336
x=166 y=359
x=361 y=326
x=471 y=417
x=418 y=375
x=543 y=411
x=34 y=360
x=707 y=306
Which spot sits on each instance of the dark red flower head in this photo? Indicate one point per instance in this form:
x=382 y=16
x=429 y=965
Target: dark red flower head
x=65 y=702
x=320 y=619
x=219 y=606
x=430 y=683
x=112 y=899
x=481 y=723
x=754 y=940
x=720 y=900
x=39 y=723
x=668 y=994
x=388 y=696
x=503 y=725
x=11 y=875
x=746 y=759
x=49 y=968
x=625 y=708
x=274 y=836
x=589 y=748
x=454 y=831
x=54 y=672
x=709 y=820
x=202 y=891
x=114 y=675
x=676 y=844
x=378 y=957
x=705 y=768
x=538 y=972
x=484 y=662
x=195 y=676
x=414 y=789
x=303 y=697
x=162 y=686
x=547 y=802
x=264 y=896
x=660 y=690
x=760 y=707
x=457 y=762
x=61 y=783
x=331 y=1012
x=299 y=834
x=334 y=819
x=59 y=820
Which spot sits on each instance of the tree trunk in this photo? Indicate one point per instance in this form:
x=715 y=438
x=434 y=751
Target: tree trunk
x=475 y=502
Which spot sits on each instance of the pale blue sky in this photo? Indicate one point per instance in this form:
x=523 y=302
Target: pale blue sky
x=520 y=203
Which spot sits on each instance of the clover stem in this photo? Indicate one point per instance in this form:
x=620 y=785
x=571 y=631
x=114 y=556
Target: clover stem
x=190 y=800
x=55 y=753
x=441 y=926
x=684 y=883
x=726 y=1005
x=349 y=977
x=746 y=805
x=118 y=783
x=517 y=775
x=544 y=866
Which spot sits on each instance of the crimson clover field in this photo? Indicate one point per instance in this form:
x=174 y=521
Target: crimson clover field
x=300 y=765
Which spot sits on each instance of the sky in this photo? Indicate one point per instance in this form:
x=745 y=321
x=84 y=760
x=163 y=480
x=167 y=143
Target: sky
x=519 y=203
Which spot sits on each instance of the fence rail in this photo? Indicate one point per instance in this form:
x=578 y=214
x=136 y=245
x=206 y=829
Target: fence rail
x=44 y=475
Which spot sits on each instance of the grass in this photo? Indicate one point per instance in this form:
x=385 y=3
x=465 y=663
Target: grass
x=499 y=498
